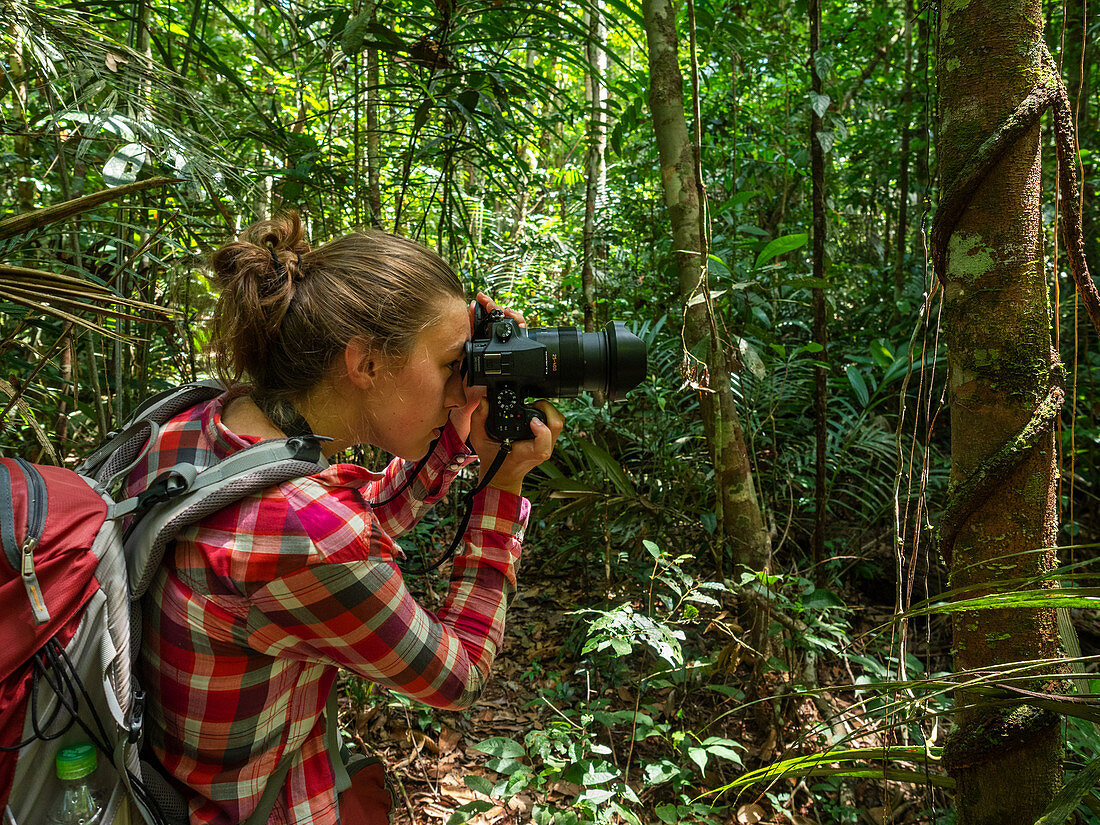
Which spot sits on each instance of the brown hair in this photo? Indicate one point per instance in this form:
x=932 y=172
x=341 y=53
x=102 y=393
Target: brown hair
x=285 y=311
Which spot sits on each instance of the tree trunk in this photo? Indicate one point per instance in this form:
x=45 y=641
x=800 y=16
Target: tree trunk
x=741 y=524
x=374 y=150
x=597 y=143
x=821 y=373
x=922 y=146
x=1006 y=761
x=17 y=77
x=1078 y=60
x=901 y=272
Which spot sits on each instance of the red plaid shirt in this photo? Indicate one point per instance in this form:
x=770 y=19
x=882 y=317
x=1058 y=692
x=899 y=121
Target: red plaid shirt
x=250 y=616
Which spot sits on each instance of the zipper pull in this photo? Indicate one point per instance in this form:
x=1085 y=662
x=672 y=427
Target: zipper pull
x=30 y=581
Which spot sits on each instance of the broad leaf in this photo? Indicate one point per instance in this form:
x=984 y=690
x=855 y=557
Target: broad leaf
x=781 y=246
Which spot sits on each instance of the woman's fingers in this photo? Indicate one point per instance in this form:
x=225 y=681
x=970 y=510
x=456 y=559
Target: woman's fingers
x=524 y=455
x=490 y=305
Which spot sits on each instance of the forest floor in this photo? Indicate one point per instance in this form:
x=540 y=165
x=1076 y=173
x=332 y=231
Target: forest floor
x=537 y=680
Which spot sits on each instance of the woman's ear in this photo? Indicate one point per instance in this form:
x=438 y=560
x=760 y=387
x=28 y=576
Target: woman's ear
x=362 y=362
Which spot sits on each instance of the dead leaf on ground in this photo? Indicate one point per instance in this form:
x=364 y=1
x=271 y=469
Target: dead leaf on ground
x=750 y=814
x=421 y=741
x=449 y=739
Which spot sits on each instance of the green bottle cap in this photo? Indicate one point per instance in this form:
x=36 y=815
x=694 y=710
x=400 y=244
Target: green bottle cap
x=76 y=762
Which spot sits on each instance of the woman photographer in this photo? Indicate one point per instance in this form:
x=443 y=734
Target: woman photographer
x=360 y=340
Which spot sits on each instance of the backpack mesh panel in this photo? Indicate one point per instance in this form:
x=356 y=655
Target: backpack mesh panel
x=194 y=507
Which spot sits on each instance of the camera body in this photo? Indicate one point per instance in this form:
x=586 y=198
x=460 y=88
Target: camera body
x=515 y=364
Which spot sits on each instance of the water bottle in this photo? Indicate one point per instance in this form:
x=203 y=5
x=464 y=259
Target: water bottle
x=79 y=802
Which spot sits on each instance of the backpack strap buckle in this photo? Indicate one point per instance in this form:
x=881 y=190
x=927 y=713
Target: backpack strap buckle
x=137 y=718
x=169 y=484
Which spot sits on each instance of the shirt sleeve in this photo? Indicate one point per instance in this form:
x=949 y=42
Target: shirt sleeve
x=354 y=610
x=399 y=509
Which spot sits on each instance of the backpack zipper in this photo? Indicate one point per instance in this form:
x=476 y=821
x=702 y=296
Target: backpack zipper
x=36 y=525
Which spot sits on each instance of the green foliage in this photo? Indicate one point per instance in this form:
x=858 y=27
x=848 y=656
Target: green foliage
x=475 y=135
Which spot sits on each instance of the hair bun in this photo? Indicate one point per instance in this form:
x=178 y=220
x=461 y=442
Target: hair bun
x=256 y=275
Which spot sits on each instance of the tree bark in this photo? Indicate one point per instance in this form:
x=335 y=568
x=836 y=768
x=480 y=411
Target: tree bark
x=821 y=373
x=1078 y=58
x=741 y=525
x=374 y=151
x=1006 y=762
x=597 y=143
x=905 y=126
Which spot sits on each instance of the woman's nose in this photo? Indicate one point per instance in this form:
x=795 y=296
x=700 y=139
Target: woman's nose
x=455 y=391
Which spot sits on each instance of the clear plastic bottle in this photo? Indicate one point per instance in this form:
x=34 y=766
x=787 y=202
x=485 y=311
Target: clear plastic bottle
x=80 y=803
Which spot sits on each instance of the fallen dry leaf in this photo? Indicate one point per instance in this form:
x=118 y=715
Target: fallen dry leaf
x=449 y=740
x=749 y=814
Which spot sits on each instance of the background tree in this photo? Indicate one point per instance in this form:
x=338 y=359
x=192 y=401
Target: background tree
x=1004 y=394
x=466 y=124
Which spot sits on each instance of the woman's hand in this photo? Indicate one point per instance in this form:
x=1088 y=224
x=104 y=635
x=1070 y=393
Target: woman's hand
x=525 y=455
x=460 y=416
x=488 y=304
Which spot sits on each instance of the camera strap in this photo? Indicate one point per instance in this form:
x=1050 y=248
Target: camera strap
x=502 y=453
x=283 y=414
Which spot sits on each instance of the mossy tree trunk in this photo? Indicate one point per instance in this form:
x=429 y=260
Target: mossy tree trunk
x=997 y=326
x=820 y=332
x=739 y=516
x=595 y=165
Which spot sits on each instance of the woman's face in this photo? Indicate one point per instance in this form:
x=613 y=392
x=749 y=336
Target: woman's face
x=409 y=406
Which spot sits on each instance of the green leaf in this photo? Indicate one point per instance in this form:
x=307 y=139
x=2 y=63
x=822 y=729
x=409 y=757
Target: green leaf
x=468 y=100
x=740 y=198
x=781 y=246
x=422 y=113
x=628 y=815
x=612 y=468
x=668 y=813
x=479 y=784
x=855 y=378
x=1066 y=801
x=351 y=40
x=818 y=764
x=699 y=756
x=568 y=486
x=464 y=813
x=123 y=166
x=501 y=746
x=821 y=598
x=505 y=766
x=819 y=103
x=724 y=748
x=657 y=773
x=596 y=796
x=621 y=646
x=590 y=772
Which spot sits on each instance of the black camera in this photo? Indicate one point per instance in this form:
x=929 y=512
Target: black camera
x=556 y=362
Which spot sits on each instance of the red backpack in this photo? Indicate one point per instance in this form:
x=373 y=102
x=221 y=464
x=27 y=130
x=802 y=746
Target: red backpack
x=75 y=561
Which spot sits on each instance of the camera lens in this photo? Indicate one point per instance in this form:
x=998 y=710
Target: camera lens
x=611 y=361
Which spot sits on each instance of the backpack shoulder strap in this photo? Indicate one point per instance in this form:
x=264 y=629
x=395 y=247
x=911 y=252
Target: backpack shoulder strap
x=182 y=496
x=125 y=446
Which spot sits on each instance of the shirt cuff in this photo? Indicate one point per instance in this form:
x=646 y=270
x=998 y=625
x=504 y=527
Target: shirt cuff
x=453 y=451
x=500 y=511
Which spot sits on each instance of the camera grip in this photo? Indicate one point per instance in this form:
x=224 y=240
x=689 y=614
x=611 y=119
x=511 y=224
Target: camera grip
x=509 y=419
